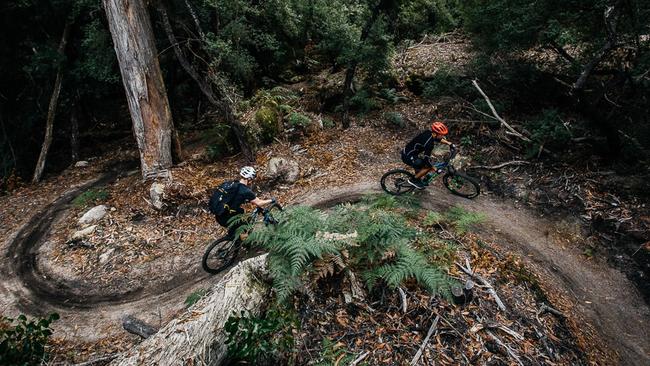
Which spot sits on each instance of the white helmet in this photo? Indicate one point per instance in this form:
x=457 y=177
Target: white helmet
x=248 y=172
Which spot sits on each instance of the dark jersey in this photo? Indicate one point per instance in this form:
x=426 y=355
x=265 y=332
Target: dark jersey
x=243 y=195
x=422 y=143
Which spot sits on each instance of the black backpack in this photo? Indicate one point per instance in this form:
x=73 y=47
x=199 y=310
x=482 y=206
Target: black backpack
x=222 y=197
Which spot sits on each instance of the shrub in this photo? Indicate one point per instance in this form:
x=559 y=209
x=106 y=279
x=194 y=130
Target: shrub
x=328 y=122
x=261 y=339
x=546 y=129
x=394 y=119
x=267 y=119
x=24 y=343
x=298 y=120
x=390 y=95
x=447 y=82
x=363 y=102
x=221 y=142
x=91 y=196
x=380 y=247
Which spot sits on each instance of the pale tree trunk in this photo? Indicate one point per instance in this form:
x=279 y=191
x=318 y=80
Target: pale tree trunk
x=197 y=337
x=51 y=110
x=133 y=40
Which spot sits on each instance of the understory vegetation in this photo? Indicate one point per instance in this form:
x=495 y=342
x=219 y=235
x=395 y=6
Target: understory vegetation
x=23 y=341
x=360 y=249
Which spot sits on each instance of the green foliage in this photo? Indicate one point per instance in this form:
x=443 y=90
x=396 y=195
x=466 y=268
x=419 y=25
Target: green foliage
x=391 y=96
x=463 y=220
x=261 y=339
x=332 y=354
x=426 y=16
x=447 y=82
x=328 y=122
x=547 y=129
x=89 y=197
x=268 y=121
x=194 y=297
x=407 y=264
x=433 y=218
x=298 y=120
x=220 y=141
x=394 y=119
x=24 y=342
x=297 y=243
x=466 y=141
x=363 y=102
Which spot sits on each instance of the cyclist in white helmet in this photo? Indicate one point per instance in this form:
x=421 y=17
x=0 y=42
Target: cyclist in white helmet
x=227 y=199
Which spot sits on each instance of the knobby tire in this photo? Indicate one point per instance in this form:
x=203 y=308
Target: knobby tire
x=223 y=247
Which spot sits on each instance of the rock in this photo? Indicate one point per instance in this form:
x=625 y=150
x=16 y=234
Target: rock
x=81 y=164
x=157 y=194
x=78 y=235
x=94 y=214
x=286 y=170
x=104 y=257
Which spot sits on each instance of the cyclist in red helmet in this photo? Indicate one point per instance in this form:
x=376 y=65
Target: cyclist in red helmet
x=423 y=144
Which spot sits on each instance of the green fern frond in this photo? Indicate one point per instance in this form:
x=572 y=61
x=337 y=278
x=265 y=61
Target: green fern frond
x=462 y=219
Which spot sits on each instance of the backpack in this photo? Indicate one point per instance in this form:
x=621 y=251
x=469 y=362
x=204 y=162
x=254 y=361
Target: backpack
x=222 y=197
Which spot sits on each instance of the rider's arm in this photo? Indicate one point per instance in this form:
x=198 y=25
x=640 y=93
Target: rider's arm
x=444 y=141
x=259 y=202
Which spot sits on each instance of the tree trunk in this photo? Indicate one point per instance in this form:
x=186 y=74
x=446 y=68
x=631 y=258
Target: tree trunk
x=51 y=110
x=197 y=337
x=216 y=99
x=74 y=131
x=133 y=40
x=348 y=90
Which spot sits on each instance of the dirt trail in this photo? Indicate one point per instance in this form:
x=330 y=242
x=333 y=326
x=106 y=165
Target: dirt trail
x=601 y=297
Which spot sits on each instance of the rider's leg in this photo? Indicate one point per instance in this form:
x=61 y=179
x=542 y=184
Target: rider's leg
x=422 y=172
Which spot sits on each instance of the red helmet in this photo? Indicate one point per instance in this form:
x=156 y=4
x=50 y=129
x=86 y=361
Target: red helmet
x=439 y=128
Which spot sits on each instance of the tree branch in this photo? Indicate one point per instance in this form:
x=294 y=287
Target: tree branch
x=496 y=115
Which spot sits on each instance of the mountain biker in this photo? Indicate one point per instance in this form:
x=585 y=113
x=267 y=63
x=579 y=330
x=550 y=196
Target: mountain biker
x=423 y=144
x=232 y=195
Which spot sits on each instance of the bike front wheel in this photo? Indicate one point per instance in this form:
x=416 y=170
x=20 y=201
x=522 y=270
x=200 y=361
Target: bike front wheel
x=395 y=182
x=461 y=184
x=219 y=255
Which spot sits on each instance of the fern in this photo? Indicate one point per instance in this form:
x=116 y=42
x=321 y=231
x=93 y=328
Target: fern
x=462 y=219
x=409 y=264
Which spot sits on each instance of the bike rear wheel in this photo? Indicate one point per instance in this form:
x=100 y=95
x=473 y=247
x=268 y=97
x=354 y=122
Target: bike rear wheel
x=395 y=182
x=219 y=255
x=461 y=184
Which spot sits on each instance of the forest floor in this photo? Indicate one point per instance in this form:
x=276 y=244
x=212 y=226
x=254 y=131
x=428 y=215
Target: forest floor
x=145 y=262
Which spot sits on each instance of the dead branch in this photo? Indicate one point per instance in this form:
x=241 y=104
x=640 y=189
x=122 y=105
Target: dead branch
x=426 y=340
x=499 y=166
x=402 y=295
x=510 y=351
x=485 y=283
x=496 y=115
x=548 y=309
x=359 y=359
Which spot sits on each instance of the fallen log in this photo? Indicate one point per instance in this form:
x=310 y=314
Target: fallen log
x=499 y=166
x=197 y=337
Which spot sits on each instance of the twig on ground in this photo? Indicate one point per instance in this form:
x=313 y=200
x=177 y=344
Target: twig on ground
x=402 y=295
x=485 y=283
x=548 y=309
x=499 y=166
x=510 y=351
x=426 y=341
x=360 y=358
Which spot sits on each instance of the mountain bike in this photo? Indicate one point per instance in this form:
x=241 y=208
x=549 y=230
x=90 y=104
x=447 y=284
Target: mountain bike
x=395 y=181
x=223 y=251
